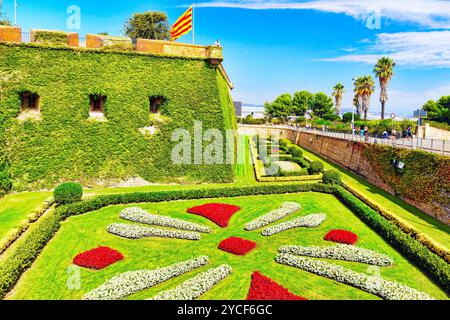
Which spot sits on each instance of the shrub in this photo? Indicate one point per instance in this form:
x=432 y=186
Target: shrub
x=68 y=192
x=316 y=167
x=302 y=162
x=284 y=142
x=296 y=152
x=332 y=177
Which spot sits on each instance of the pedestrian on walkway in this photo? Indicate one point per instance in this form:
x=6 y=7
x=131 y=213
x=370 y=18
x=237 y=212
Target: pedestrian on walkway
x=409 y=133
x=385 y=134
x=366 y=134
x=361 y=131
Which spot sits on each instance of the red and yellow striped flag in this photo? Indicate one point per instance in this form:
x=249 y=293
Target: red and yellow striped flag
x=182 y=26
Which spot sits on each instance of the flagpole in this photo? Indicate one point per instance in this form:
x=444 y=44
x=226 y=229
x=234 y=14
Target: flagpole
x=193 y=25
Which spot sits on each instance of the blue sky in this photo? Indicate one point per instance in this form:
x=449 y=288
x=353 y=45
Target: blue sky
x=278 y=46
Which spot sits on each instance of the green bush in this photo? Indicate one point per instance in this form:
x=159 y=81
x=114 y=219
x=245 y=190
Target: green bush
x=332 y=177
x=284 y=142
x=316 y=167
x=428 y=261
x=68 y=192
x=302 y=162
x=296 y=152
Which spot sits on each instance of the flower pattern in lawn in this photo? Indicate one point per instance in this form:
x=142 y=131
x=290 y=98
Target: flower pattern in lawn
x=262 y=287
x=195 y=287
x=341 y=252
x=389 y=290
x=131 y=282
x=134 y=231
x=286 y=209
x=310 y=221
x=139 y=215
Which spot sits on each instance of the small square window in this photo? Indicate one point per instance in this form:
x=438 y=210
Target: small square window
x=155 y=104
x=29 y=101
x=97 y=103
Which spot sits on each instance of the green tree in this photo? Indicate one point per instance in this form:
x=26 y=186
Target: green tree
x=322 y=105
x=347 y=117
x=365 y=87
x=281 y=108
x=302 y=102
x=148 y=25
x=338 y=94
x=384 y=70
x=438 y=110
x=5 y=22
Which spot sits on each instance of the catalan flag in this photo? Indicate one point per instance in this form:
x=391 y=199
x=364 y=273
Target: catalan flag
x=183 y=25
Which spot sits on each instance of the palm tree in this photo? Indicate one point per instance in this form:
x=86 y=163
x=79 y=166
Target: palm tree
x=357 y=101
x=338 y=94
x=384 y=70
x=365 y=86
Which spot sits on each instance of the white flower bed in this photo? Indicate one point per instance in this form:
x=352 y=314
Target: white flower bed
x=134 y=231
x=389 y=290
x=286 y=209
x=341 y=252
x=131 y=282
x=310 y=221
x=142 y=216
x=195 y=287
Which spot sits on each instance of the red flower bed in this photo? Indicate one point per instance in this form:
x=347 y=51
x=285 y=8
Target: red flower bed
x=264 y=288
x=237 y=246
x=98 y=258
x=218 y=213
x=341 y=236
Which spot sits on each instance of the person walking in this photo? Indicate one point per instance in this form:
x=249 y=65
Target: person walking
x=361 y=131
x=366 y=134
x=385 y=134
x=409 y=133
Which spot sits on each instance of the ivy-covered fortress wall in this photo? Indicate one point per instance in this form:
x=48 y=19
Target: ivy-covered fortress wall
x=63 y=142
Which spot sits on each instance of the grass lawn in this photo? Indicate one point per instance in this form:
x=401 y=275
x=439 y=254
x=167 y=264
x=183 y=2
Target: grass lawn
x=431 y=227
x=288 y=166
x=48 y=277
x=15 y=207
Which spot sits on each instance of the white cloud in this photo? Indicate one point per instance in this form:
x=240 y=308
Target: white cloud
x=426 y=13
x=422 y=49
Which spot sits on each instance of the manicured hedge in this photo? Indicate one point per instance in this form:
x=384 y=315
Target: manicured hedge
x=68 y=192
x=23 y=253
x=422 y=238
x=162 y=196
x=410 y=247
x=66 y=145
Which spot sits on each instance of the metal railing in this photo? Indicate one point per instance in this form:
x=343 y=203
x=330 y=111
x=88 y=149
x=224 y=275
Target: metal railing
x=413 y=143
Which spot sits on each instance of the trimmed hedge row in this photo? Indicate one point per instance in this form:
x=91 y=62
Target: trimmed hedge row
x=25 y=252
x=162 y=196
x=410 y=247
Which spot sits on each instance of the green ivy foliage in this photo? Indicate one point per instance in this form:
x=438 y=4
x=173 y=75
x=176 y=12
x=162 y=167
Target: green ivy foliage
x=425 y=177
x=65 y=145
x=51 y=37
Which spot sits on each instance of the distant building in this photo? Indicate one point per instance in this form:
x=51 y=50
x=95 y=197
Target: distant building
x=250 y=109
x=238 y=108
